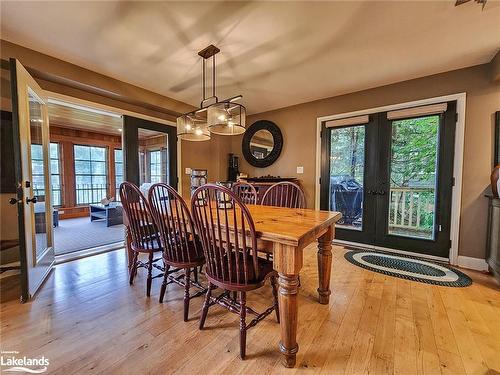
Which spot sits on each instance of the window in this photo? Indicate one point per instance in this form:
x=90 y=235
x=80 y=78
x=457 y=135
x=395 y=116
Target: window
x=90 y=174
x=38 y=172
x=118 y=172
x=155 y=166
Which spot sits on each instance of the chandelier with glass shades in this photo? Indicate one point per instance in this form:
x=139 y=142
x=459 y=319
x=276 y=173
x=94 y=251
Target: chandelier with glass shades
x=223 y=117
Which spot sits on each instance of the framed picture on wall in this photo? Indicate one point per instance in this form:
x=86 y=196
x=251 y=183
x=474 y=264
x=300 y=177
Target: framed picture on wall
x=496 y=161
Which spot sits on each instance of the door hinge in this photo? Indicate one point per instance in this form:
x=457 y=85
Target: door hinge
x=453 y=181
x=456 y=117
x=449 y=245
x=321 y=134
x=320 y=180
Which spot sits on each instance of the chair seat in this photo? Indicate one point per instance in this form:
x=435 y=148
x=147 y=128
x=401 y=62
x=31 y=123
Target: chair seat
x=191 y=258
x=265 y=268
x=154 y=248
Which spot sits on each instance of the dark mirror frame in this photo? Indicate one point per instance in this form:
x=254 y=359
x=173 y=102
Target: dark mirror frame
x=275 y=131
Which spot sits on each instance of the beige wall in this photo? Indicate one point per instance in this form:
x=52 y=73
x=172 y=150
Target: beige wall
x=298 y=124
x=211 y=155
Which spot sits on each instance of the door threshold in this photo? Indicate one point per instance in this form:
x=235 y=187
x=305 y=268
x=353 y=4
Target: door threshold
x=63 y=258
x=364 y=246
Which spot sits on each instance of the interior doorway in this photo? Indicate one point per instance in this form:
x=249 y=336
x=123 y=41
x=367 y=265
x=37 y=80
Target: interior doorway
x=86 y=159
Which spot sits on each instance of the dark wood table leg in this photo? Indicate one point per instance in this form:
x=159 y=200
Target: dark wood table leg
x=288 y=262
x=325 y=265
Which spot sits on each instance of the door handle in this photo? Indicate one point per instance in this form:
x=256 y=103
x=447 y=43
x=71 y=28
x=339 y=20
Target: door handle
x=381 y=192
x=14 y=201
x=32 y=200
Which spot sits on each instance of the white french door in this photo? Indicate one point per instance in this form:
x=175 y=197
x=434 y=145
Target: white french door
x=34 y=199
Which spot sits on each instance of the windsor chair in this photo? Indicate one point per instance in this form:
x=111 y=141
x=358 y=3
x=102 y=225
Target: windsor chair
x=229 y=239
x=182 y=249
x=246 y=192
x=284 y=194
x=142 y=231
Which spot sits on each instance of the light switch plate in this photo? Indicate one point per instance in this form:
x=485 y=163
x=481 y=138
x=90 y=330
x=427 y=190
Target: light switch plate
x=300 y=170
x=187 y=171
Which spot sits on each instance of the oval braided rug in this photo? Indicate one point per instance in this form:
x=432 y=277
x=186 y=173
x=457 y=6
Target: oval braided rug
x=407 y=267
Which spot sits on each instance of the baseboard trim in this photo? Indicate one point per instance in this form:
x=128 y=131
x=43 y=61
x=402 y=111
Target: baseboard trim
x=476 y=264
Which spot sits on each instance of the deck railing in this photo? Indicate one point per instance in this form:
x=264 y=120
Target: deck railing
x=412 y=209
x=90 y=193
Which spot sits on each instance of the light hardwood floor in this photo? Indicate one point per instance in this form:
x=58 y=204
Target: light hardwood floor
x=88 y=320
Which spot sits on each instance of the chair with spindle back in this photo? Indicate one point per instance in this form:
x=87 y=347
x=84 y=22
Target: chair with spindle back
x=143 y=233
x=246 y=192
x=182 y=249
x=227 y=233
x=284 y=194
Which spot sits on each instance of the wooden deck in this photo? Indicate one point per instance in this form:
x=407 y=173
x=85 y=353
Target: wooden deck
x=87 y=320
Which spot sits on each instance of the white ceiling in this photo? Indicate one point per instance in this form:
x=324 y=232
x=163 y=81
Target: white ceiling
x=274 y=53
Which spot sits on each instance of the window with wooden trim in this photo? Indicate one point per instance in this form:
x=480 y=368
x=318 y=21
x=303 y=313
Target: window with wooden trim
x=91 y=175
x=118 y=172
x=38 y=173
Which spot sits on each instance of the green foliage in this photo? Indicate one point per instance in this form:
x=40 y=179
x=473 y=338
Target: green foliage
x=414 y=151
x=347 y=155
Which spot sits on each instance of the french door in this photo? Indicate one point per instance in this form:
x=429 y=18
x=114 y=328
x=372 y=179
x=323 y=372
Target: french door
x=33 y=197
x=391 y=176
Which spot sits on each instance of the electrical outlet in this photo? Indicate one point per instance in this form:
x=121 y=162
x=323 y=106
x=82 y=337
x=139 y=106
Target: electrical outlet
x=300 y=170
x=187 y=171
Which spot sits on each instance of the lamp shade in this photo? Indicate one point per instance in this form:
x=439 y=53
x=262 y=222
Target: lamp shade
x=226 y=118
x=191 y=128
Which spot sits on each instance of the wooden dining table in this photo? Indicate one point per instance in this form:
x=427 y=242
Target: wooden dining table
x=287 y=232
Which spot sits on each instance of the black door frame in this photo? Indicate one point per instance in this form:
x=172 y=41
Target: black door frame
x=376 y=187
x=440 y=245
x=130 y=140
x=367 y=234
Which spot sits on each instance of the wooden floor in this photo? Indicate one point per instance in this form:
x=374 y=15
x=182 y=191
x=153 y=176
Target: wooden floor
x=88 y=320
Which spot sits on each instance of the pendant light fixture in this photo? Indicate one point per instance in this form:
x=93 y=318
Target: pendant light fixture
x=220 y=117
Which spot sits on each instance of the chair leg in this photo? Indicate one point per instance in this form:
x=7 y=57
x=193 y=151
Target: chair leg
x=274 y=284
x=164 y=284
x=150 y=275
x=133 y=270
x=243 y=326
x=186 y=293
x=195 y=272
x=206 y=305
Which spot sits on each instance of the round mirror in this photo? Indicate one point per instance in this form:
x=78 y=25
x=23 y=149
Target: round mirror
x=262 y=143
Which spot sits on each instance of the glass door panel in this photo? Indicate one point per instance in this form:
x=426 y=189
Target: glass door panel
x=347 y=165
x=38 y=173
x=413 y=170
